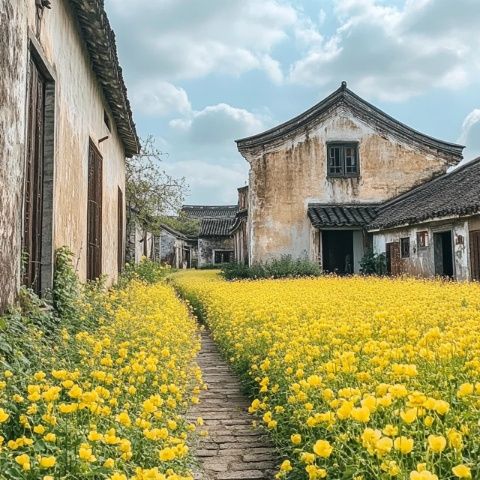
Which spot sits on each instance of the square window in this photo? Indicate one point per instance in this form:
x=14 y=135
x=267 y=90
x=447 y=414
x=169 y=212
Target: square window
x=342 y=160
x=422 y=239
x=405 y=247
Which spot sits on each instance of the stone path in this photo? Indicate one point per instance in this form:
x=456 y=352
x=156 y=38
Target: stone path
x=233 y=449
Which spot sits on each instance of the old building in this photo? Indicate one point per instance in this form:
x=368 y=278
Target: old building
x=174 y=248
x=434 y=229
x=317 y=181
x=65 y=129
x=214 y=240
x=239 y=228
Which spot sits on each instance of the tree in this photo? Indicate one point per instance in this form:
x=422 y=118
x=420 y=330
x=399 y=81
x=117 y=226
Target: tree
x=151 y=193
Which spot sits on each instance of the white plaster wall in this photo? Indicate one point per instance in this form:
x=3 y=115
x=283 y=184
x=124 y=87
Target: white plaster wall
x=421 y=261
x=288 y=175
x=80 y=117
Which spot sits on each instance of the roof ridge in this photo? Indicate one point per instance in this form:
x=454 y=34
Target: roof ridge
x=343 y=94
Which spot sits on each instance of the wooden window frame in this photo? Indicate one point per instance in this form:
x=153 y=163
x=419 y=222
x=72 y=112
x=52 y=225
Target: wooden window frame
x=42 y=279
x=94 y=212
x=405 y=247
x=339 y=169
x=422 y=239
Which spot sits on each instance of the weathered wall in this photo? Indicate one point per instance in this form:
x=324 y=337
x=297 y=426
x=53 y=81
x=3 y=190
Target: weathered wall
x=285 y=177
x=207 y=247
x=13 y=48
x=421 y=262
x=79 y=116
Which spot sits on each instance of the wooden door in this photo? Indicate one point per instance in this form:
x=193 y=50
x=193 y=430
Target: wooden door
x=475 y=254
x=394 y=262
x=33 y=193
x=94 y=214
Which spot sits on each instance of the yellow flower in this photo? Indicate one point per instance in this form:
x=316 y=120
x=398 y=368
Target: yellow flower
x=3 y=415
x=322 y=448
x=465 y=390
x=403 y=444
x=167 y=454
x=47 y=462
x=286 y=466
x=50 y=437
x=409 y=416
x=436 y=443
x=85 y=453
x=109 y=463
x=24 y=461
x=384 y=445
x=296 y=439
x=462 y=471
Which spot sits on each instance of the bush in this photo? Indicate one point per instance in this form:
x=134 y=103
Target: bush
x=284 y=267
x=147 y=271
x=373 y=263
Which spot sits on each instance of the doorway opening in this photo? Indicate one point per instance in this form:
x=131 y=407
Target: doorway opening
x=443 y=253
x=337 y=251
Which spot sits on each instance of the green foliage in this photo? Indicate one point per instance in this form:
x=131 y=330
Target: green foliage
x=284 y=267
x=150 y=191
x=147 y=271
x=66 y=286
x=373 y=263
x=182 y=224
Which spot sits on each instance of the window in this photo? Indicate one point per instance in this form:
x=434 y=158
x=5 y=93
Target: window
x=405 y=247
x=33 y=193
x=342 y=159
x=422 y=239
x=94 y=214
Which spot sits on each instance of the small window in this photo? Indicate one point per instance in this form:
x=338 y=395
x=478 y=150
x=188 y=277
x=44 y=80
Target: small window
x=342 y=160
x=405 y=247
x=422 y=239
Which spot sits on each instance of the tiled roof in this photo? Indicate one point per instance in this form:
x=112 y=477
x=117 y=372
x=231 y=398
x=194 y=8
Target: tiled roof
x=174 y=232
x=455 y=193
x=216 y=227
x=100 y=41
x=210 y=211
x=364 y=110
x=338 y=215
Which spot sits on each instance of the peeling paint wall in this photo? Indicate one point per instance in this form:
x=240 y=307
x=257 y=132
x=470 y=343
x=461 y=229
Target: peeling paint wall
x=79 y=116
x=207 y=247
x=288 y=175
x=421 y=261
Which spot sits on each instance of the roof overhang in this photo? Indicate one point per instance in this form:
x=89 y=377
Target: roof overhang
x=341 y=215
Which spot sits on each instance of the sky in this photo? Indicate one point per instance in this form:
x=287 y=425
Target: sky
x=202 y=73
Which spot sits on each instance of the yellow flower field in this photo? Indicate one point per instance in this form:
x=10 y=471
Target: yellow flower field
x=109 y=403
x=355 y=378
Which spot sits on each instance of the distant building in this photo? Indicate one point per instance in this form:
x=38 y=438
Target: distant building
x=345 y=177
x=65 y=130
x=214 y=240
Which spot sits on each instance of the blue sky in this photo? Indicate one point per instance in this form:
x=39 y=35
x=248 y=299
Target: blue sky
x=201 y=73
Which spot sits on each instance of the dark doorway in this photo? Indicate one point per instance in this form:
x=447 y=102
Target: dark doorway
x=94 y=213
x=443 y=255
x=223 y=256
x=337 y=248
x=34 y=172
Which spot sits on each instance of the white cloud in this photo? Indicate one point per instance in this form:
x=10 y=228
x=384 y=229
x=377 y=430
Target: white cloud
x=185 y=39
x=470 y=136
x=218 y=124
x=395 y=53
x=159 y=98
x=211 y=183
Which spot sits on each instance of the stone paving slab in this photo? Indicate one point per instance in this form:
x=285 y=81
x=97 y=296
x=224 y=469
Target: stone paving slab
x=233 y=449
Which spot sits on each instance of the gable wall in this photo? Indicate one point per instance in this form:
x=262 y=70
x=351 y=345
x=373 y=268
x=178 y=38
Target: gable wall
x=285 y=177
